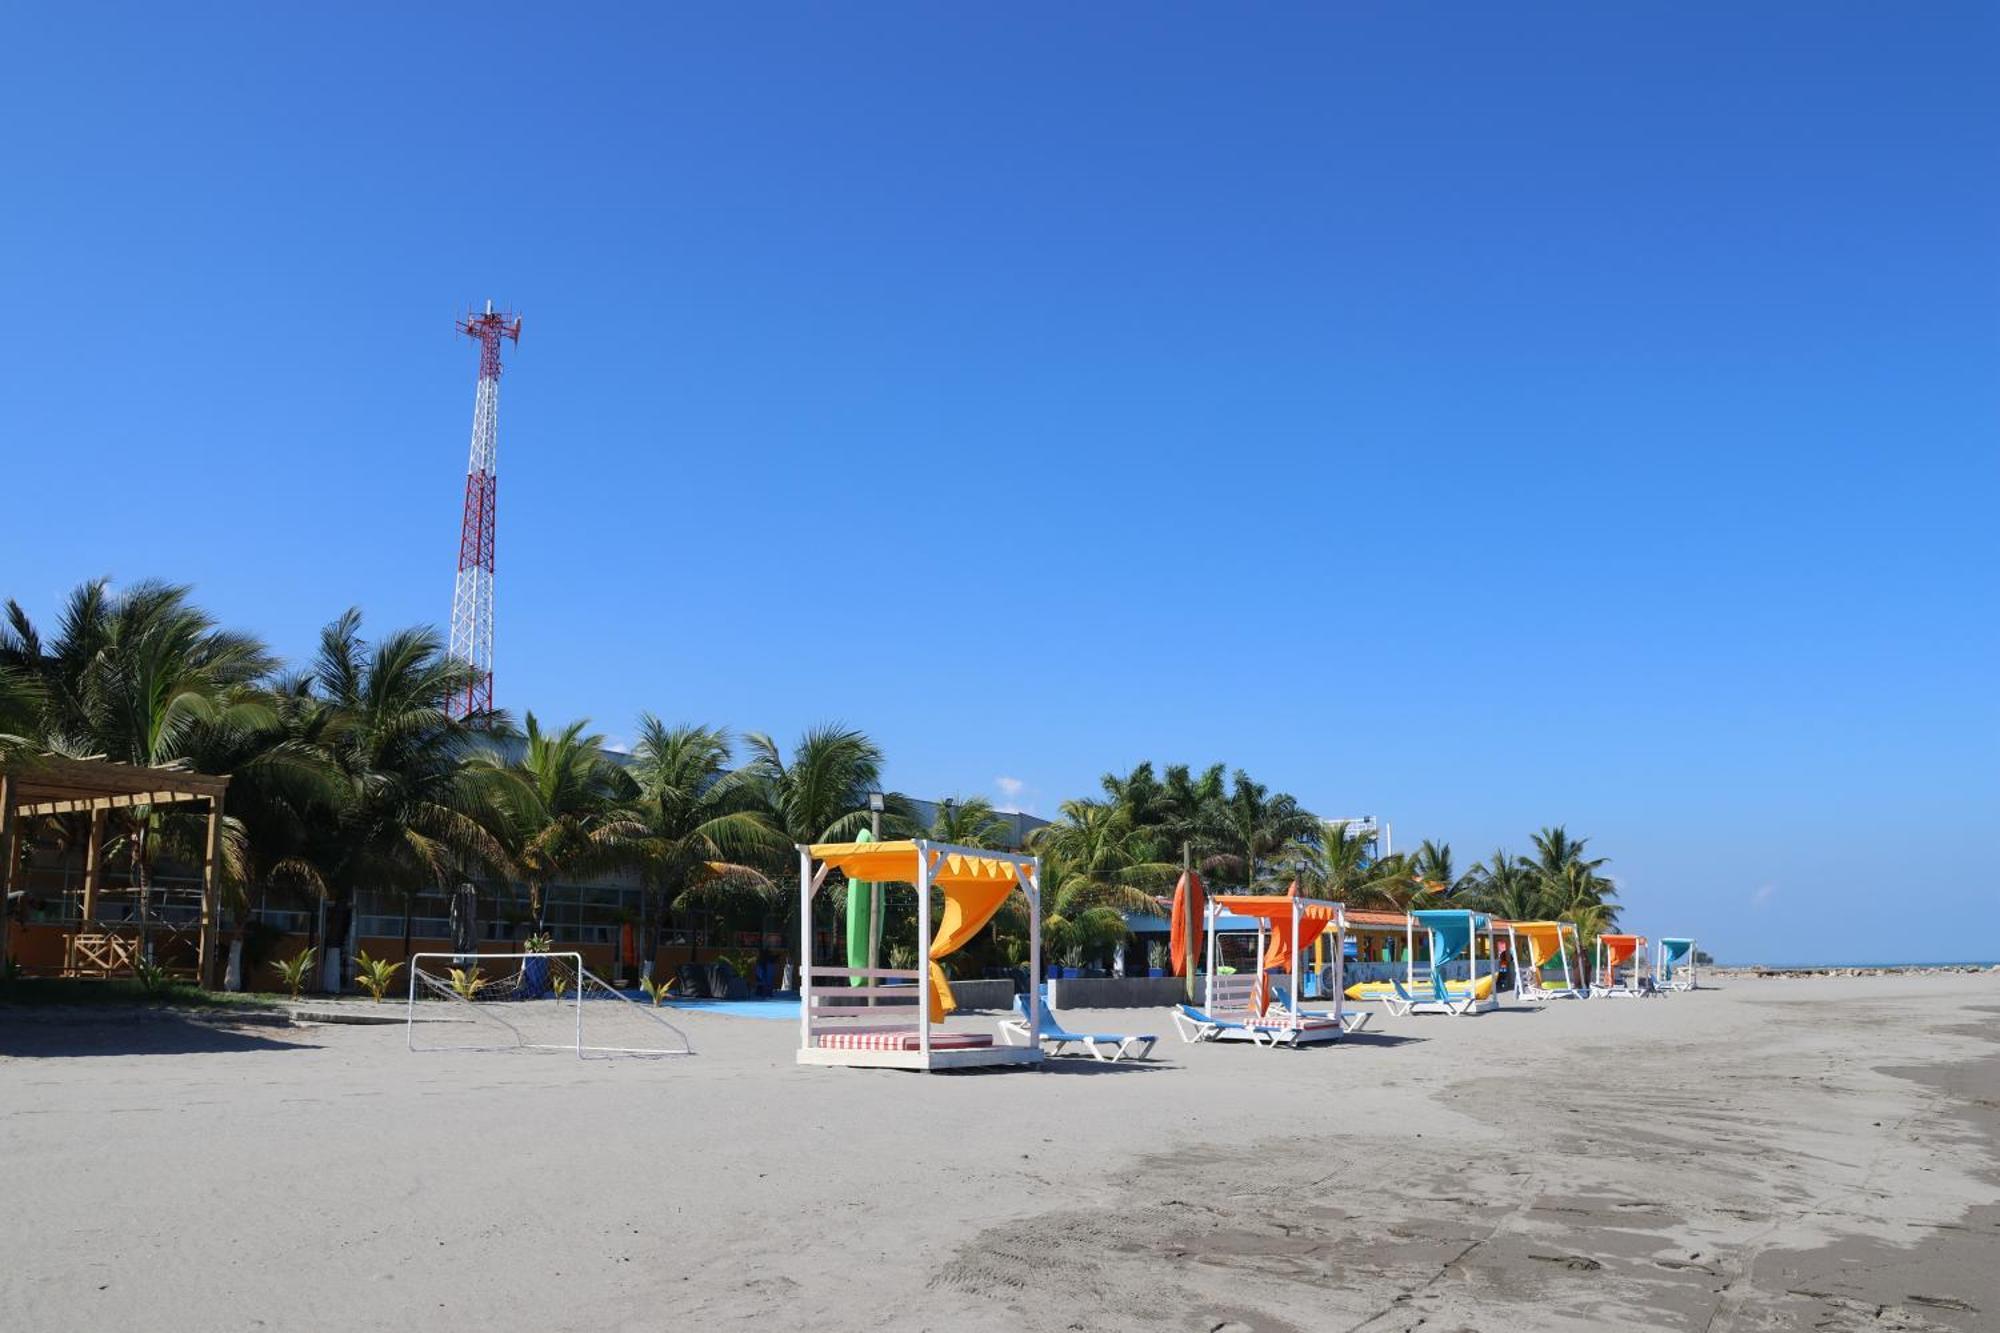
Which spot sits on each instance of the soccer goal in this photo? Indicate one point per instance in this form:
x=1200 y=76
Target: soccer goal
x=529 y=1001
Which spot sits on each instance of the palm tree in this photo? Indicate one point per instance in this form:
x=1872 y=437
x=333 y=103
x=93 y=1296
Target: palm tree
x=1337 y=865
x=1080 y=913
x=1433 y=865
x=1258 y=826
x=821 y=795
x=133 y=677
x=567 y=807
x=703 y=830
x=969 y=821
x=414 y=813
x=1507 y=886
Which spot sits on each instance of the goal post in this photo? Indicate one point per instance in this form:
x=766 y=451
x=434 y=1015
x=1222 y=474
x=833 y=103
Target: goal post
x=529 y=1001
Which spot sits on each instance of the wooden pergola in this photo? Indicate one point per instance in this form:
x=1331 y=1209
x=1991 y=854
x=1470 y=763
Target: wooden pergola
x=42 y=785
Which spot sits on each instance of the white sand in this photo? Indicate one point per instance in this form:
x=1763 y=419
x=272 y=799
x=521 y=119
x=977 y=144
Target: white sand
x=1734 y=1159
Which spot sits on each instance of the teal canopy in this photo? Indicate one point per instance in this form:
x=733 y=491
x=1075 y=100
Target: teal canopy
x=1677 y=950
x=1451 y=932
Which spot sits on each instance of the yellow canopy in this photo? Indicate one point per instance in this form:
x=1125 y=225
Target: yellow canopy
x=1544 y=939
x=974 y=887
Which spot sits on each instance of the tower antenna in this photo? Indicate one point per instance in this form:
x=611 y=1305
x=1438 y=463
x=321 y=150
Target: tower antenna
x=472 y=596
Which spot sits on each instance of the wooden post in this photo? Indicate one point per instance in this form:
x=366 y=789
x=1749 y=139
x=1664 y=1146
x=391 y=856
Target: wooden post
x=211 y=898
x=93 y=867
x=6 y=860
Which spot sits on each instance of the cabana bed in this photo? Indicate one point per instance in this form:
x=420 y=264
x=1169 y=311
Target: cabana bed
x=1548 y=942
x=1674 y=964
x=1261 y=1005
x=893 y=1018
x=1613 y=950
x=1454 y=933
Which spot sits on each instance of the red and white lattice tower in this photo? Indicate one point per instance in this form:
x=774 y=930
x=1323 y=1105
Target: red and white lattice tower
x=472 y=598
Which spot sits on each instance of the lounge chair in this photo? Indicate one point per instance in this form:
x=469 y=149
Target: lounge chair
x=1194 y=1025
x=1105 y=1046
x=1351 y=1020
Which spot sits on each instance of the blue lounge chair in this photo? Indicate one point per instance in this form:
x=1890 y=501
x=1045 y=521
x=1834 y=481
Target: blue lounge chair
x=1351 y=1020
x=1051 y=1031
x=1194 y=1025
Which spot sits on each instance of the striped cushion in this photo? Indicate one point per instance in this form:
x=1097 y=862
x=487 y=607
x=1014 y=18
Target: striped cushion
x=900 y=1039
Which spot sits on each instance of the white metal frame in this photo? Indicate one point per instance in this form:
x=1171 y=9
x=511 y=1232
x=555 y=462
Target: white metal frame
x=1536 y=992
x=1684 y=978
x=1602 y=988
x=497 y=1009
x=1231 y=999
x=819 y=1010
x=1426 y=1002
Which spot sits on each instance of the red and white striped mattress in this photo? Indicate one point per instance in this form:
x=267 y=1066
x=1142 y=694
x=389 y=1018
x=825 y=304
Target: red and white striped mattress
x=900 y=1039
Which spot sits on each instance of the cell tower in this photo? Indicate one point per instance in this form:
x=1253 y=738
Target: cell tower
x=472 y=598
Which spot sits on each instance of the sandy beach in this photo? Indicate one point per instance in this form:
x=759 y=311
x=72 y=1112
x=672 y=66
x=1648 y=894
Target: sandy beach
x=1768 y=1154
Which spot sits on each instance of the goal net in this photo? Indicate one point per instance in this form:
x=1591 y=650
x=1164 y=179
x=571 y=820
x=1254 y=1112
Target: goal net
x=529 y=1001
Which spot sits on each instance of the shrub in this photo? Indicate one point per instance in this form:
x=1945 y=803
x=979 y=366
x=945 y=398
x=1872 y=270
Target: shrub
x=295 y=970
x=375 y=974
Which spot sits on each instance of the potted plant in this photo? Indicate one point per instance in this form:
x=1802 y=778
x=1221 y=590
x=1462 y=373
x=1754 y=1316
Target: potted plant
x=1156 y=958
x=535 y=971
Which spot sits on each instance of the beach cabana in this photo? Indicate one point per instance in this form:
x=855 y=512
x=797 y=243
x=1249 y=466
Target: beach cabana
x=1614 y=951
x=1673 y=965
x=1454 y=934
x=847 y=1014
x=1549 y=944
x=114 y=933
x=1261 y=1005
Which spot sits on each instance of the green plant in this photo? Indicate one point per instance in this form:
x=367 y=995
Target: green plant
x=541 y=941
x=153 y=979
x=375 y=974
x=656 y=991
x=559 y=982
x=466 y=982
x=295 y=970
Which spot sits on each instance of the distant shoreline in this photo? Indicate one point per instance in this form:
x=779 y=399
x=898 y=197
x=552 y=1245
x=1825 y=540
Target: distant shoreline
x=1848 y=969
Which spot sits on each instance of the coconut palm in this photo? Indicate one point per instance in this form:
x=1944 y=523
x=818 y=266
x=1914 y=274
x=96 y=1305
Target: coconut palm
x=969 y=821
x=567 y=807
x=1257 y=827
x=704 y=833
x=821 y=793
x=413 y=812
x=1337 y=865
x=1433 y=865
x=1080 y=913
x=1507 y=886
x=133 y=677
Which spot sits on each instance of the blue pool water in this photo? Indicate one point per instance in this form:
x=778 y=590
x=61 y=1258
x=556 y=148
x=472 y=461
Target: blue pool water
x=784 y=1007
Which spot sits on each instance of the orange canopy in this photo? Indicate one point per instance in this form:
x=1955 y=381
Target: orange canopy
x=1190 y=906
x=1314 y=919
x=1618 y=948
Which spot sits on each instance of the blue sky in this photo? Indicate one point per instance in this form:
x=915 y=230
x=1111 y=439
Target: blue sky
x=1481 y=416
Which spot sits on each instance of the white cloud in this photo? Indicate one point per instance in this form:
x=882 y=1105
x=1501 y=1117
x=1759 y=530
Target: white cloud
x=1763 y=894
x=1016 y=796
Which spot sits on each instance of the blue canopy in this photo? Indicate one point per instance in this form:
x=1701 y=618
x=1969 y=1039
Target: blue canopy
x=1676 y=950
x=1451 y=932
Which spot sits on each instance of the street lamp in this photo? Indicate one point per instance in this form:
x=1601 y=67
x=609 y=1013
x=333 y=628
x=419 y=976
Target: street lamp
x=877 y=803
